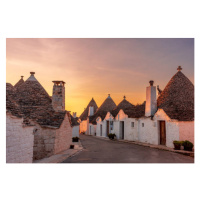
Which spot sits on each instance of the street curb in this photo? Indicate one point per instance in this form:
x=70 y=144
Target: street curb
x=60 y=157
x=183 y=152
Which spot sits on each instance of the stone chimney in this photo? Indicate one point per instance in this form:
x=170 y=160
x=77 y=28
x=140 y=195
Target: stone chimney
x=91 y=111
x=58 y=96
x=74 y=114
x=151 y=102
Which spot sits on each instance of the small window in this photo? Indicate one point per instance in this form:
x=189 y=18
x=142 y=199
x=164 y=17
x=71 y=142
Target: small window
x=142 y=124
x=132 y=124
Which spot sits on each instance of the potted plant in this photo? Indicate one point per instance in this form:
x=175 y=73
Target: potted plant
x=177 y=145
x=111 y=136
x=187 y=145
x=75 y=139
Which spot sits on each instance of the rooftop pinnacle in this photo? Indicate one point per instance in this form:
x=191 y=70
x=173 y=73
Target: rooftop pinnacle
x=179 y=68
x=32 y=73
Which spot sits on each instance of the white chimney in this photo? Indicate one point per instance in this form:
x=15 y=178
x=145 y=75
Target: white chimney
x=91 y=111
x=74 y=114
x=151 y=102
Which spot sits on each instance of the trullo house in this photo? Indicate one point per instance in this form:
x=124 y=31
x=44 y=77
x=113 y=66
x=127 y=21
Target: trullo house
x=38 y=125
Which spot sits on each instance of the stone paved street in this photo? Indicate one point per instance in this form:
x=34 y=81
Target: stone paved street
x=97 y=150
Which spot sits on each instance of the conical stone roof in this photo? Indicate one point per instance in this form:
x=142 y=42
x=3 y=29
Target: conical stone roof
x=107 y=106
x=31 y=93
x=177 y=99
x=19 y=83
x=31 y=101
x=124 y=104
x=84 y=115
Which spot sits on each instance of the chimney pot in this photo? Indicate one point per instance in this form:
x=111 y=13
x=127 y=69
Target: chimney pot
x=151 y=82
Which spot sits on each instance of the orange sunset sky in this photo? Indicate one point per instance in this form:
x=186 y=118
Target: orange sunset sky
x=98 y=67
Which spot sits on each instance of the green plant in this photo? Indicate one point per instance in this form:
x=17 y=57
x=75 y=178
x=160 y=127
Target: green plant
x=111 y=136
x=177 y=144
x=75 y=139
x=187 y=145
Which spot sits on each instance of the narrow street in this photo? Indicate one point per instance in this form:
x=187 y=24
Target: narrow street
x=96 y=150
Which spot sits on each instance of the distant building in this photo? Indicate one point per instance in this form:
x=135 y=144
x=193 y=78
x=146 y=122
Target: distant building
x=75 y=125
x=87 y=113
x=41 y=119
x=159 y=120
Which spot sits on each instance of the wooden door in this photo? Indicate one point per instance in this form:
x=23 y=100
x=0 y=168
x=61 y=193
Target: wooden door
x=107 y=128
x=122 y=125
x=162 y=133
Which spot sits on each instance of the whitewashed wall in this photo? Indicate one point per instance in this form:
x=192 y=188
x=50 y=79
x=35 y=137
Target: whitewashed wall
x=150 y=133
x=63 y=137
x=117 y=129
x=92 y=129
x=99 y=123
x=186 y=131
x=75 y=131
x=131 y=133
x=172 y=128
x=19 y=141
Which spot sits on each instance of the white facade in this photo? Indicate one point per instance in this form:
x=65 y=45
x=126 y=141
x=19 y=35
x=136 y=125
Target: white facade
x=19 y=141
x=101 y=127
x=75 y=131
x=91 y=129
x=147 y=129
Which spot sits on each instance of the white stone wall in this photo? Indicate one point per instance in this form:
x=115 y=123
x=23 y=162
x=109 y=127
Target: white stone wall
x=92 y=130
x=148 y=133
x=131 y=133
x=117 y=128
x=172 y=128
x=83 y=126
x=75 y=131
x=186 y=131
x=19 y=141
x=44 y=140
x=99 y=123
x=63 y=137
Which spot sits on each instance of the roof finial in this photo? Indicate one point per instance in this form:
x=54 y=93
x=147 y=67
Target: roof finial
x=179 y=68
x=124 y=97
x=32 y=73
x=22 y=77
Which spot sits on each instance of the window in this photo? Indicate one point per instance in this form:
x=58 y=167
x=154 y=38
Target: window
x=132 y=124
x=142 y=124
